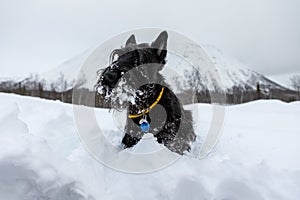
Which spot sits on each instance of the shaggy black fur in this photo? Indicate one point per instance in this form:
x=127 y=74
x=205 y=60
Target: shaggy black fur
x=170 y=123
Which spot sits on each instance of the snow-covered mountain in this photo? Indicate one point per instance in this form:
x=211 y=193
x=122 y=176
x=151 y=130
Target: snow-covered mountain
x=236 y=74
x=15 y=79
x=231 y=72
x=284 y=79
x=68 y=69
x=226 y=73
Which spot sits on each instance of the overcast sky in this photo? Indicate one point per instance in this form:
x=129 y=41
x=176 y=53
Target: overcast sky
x=37 y=35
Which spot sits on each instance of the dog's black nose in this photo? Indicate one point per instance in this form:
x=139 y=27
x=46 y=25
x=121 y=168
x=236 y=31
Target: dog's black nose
x=111 y=76
x=110 y=79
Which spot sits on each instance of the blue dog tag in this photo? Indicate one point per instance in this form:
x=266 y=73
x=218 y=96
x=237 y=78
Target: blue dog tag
x=145 y=126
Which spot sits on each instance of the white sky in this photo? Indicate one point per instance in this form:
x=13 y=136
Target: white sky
x=37 y=35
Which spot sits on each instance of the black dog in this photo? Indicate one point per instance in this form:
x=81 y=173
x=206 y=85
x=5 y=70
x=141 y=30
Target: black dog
x=155 y=108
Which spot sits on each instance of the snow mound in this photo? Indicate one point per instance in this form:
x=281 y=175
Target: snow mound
x=29 y=169
x=41 y=157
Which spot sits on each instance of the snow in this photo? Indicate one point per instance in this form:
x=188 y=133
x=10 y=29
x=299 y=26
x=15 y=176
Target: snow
x=41 y=156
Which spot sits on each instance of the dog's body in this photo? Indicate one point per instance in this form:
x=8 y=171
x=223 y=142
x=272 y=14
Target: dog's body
x=154 y=101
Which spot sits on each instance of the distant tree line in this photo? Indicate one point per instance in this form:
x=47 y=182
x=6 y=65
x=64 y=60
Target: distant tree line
x=296 y=83
x=193 y=92
x=36 y=87
x=62 y=89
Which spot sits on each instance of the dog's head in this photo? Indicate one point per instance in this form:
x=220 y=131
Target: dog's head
x=145 y=60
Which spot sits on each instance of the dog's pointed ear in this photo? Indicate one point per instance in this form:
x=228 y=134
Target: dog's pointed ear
x=160 y=43
x=131 y=41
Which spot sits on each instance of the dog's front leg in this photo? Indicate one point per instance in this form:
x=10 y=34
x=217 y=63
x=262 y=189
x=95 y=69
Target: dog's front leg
x=129 y=140
x=132 y=134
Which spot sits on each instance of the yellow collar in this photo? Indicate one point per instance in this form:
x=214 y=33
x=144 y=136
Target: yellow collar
x=147 y=110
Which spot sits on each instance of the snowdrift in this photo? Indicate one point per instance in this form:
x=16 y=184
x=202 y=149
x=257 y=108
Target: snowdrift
x=257 y=157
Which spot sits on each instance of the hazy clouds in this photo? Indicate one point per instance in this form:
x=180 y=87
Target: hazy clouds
x=39 y=35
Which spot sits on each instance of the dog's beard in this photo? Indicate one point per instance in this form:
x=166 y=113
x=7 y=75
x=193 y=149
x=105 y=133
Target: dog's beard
x=119 y=97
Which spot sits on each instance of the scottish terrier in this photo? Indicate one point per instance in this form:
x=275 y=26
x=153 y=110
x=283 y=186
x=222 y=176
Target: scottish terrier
x=153 y=106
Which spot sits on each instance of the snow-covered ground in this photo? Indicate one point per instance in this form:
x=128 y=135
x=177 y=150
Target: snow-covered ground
x=257 y=157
